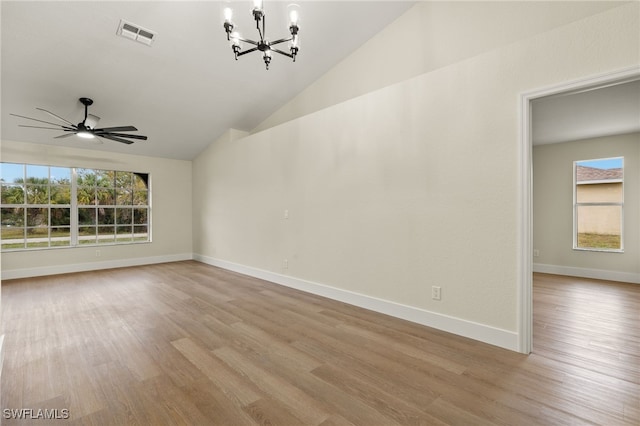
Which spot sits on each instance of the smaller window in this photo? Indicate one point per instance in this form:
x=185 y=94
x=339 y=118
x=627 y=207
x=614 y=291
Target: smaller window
x=598 y=204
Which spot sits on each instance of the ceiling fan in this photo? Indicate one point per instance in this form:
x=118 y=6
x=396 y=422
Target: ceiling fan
x=86 y=128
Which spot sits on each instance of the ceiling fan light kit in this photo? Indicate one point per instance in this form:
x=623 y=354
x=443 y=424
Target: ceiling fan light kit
x=263 y=45
x=86 y=128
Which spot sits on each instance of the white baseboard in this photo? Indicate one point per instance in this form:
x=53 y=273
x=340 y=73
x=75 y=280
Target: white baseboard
x=91 y=266
x=484 y=333
x=599 y=274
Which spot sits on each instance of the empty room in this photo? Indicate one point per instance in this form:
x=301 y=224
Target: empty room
x=349 y=213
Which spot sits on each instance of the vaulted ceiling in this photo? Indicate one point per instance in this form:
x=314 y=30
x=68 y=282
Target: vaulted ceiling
x=185 y=90
x=182 y=92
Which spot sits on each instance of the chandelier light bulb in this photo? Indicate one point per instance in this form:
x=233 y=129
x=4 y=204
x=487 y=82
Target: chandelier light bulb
x=257 y=4
x=228 y=14
x=293 y=17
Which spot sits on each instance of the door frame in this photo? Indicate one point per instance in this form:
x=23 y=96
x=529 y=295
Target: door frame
x=525 y=236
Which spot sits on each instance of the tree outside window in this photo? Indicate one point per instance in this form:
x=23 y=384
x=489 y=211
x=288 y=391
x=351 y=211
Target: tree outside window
x=38 y=210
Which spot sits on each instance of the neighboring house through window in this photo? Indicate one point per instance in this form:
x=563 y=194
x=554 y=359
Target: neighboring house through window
x=598 y=204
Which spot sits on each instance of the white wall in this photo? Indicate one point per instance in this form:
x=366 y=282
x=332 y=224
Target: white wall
x=171 y=212
x=553 y=209
x=433 y=35
x=405 y=187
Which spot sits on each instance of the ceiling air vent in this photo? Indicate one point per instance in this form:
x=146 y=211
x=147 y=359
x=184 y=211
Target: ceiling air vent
x=136 y=32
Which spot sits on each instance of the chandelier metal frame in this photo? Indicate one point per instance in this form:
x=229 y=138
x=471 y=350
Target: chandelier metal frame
x=263 y=45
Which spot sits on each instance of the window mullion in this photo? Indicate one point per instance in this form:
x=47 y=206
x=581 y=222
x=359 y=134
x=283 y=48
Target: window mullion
x=74 y=207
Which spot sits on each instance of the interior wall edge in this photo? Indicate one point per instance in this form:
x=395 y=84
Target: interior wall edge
x=1 y=355
x=598 y=274
x=484 y=333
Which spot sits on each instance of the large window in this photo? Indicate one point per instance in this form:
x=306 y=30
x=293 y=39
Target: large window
x=599 y=204
x=46 y=206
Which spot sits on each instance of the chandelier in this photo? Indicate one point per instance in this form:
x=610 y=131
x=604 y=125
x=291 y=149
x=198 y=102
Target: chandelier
x=263 y=45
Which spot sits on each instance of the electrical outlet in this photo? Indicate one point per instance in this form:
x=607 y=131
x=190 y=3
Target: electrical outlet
x=436 y=292
x=286 y=214
x=97 y=253
x=536 y=252
x=285 y=264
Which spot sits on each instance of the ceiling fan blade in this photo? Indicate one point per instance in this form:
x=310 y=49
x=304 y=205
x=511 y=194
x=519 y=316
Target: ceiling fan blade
x=73 y=127
x=66 y=135
x=116 y=129
x=124 y=135
x=113 y=138
x=40 y=127
x=56 y=116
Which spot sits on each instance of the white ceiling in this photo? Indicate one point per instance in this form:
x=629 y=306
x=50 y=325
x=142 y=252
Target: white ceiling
x=588 y=114
x=185 y=90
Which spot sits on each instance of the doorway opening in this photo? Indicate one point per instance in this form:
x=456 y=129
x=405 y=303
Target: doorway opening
x=527 y=137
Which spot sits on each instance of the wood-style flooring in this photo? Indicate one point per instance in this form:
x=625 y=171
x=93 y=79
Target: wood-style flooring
x=188 y=344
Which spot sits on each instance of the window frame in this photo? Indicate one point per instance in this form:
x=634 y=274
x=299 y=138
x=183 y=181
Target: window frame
x=74 y=206
x=577 y=204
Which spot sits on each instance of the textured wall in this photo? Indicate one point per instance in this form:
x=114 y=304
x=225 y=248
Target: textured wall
x=408 y=186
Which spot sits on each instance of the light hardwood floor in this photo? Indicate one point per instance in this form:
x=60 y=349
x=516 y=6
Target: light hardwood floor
x=187 y=343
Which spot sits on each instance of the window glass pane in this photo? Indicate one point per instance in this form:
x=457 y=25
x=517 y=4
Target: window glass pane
x=38 y=237
x=38 y=217
x=124 y=216
x=60 y=216
x=140 y=181
x=106 y=197
x=87 y=216
x=140 y=233
x=140 y=216
x=125 y=233
x=13 y=238
x=125 y=197
x=11 y=173
x=86 y=177
x=60 y=237
x=87 y=235
x=124 y=180
x=599 y=193
x=37 y=194
x=60 y=175
x=106 y=234
x=601 y=169
x=12 y=194
x=600 y=180
x=106 y=178
x=12 y=217
x=60 y=194
x=37 y=174
x=599 y=227
x=140 y=198
x=106 y=216
x=86 y=196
